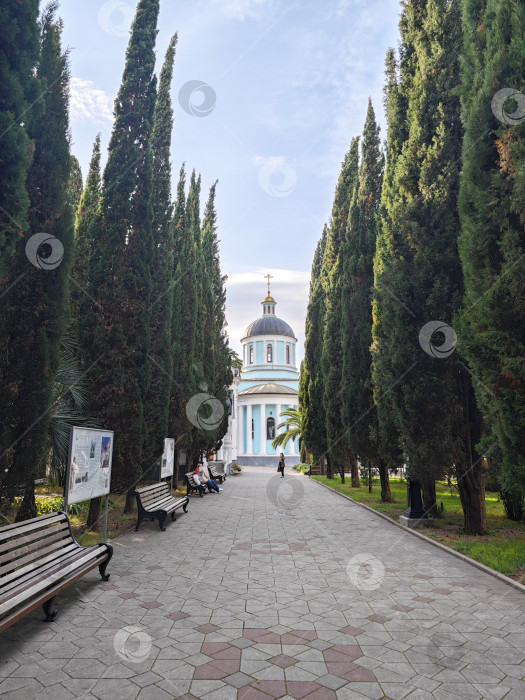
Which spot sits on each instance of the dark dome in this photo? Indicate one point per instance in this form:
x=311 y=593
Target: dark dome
x=269 y=325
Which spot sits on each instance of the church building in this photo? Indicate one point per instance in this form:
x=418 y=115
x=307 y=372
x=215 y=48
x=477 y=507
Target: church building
x=267 y=384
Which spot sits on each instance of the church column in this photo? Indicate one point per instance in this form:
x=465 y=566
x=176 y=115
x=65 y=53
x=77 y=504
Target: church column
x=278 y=418
x=263 y=429
x=249 y=442
x=240 y=430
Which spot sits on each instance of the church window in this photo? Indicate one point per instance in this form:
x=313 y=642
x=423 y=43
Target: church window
x=287 y=354
x=251 y=354
x=269 y=353
x=270 y=428
x=253 y=429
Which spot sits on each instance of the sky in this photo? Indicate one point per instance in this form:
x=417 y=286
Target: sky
x=267 y=95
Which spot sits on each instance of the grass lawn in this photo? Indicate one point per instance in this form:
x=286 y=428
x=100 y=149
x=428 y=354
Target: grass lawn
x=502 y=548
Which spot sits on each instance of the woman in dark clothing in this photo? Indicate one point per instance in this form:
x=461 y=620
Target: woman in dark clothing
x=281 y=465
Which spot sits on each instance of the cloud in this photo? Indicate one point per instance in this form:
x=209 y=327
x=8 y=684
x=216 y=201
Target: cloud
x=90 y=102
x=246 y=290
x=244 y=9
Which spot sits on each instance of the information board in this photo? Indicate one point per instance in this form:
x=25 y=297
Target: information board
x=89 y=464
x=168 y=458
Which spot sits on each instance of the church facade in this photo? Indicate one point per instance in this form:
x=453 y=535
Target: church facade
x=267 y=384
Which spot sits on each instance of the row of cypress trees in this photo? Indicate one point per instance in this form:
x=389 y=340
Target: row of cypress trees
x=426 y=246
x=139 y=288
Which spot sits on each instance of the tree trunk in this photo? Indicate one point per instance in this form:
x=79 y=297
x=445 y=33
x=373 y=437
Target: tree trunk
x=128 y=508
x=94 y=512
x=27 y=508
x=176 y=461
x=369 y=476
x=386 y=496
x=354 y=470
x=329 y=470
x=469 y=469
x=429 y=498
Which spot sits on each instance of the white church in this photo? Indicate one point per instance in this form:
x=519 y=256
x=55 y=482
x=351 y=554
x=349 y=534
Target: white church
x=267 y=384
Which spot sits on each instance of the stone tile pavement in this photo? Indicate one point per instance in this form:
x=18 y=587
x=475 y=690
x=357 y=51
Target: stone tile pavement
x=275 y=588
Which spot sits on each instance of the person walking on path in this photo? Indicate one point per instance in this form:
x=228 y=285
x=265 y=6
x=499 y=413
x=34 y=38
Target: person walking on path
x=281 y=466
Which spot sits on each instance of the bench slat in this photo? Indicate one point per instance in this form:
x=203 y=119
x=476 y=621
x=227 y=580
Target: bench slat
x=9 y=531
x=15 y=554
x=35 y=535
x=19 y=573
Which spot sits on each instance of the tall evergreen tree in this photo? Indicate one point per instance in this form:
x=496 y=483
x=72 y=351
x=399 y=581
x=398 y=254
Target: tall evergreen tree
x=19 y=51
x=492 y=244
x=331 y=278
x=156 y=404
x=120 y=267
x=312 y=396
x=75 y=185
x=418 y=276
x=358 y=410
x=37 y=303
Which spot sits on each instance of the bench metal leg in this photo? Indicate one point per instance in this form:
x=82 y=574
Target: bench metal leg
x=185 y=507
x=173 y=516
x=102 y=567
x=50 y=614
x=162 y=518
x=139 y=520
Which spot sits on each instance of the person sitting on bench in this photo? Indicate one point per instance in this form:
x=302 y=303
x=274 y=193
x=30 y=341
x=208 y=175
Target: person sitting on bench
x=205 y=479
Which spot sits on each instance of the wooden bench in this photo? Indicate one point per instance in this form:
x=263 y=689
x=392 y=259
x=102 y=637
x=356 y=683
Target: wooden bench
x=156 y=501
x=40 y=558
x=314 y=469
x=192 y=487
x=215 y=474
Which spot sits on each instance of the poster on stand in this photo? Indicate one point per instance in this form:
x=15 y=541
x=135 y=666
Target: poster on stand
x=89 y=465
x=168 y=458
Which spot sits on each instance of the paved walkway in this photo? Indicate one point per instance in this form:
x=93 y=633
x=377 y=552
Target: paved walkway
x=274 y=589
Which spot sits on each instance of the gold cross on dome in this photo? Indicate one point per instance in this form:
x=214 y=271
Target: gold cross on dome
x=268 y=277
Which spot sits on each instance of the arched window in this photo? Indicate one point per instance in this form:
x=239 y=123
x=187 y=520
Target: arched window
x=269 y=353
x=251 y=354
x=253 y=429
x=270 y=428
x=287 y=354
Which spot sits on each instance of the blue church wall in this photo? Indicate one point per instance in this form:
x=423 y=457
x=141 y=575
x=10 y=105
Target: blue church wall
x=244 y=419
x=280 y=352
x=271 y=410
x=259 y=352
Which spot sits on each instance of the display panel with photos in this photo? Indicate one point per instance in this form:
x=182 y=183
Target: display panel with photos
x=89 y=467
x=168 y=458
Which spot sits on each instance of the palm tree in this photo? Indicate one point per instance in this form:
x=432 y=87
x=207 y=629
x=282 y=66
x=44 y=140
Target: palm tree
x=294 y=428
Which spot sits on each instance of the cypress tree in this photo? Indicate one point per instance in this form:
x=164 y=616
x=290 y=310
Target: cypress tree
x=176 y=416
x=37 y=304
x=75 y=185
x=418 y=276
x=331 y=355
x=121 y=260
x=19 y=50
x=314 y=423
x=216 y=356
x=156 y=404
x=492 y=243
x=358 y=411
